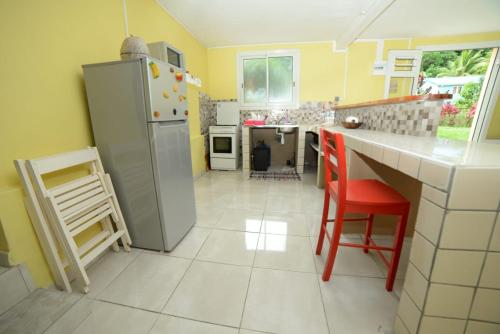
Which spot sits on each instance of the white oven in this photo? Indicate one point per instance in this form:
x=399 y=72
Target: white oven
x=224 y=147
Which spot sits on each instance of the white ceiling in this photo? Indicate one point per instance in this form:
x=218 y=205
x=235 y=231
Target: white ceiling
x=236 y=22
x=417 y=18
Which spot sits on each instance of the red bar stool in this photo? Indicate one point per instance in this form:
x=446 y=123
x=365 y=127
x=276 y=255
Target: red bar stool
x=370 y=197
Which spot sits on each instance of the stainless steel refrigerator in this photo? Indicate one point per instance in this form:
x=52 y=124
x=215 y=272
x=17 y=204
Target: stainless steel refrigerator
x=138 y=110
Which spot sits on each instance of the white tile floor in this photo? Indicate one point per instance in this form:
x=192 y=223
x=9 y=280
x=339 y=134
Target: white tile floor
x=248 y=266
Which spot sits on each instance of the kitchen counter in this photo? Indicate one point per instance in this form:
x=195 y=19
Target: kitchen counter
x=394 y=100
x=272 y=126
x=449 y=152
x=454 y=190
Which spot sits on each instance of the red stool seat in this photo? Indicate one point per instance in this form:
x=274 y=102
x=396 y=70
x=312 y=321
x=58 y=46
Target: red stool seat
x=369 y=193
x=366 y=197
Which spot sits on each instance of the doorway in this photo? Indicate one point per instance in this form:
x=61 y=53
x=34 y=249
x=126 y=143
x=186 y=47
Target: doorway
x=463 y=73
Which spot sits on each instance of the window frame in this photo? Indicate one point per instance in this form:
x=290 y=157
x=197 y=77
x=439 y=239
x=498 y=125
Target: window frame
x=242 y=56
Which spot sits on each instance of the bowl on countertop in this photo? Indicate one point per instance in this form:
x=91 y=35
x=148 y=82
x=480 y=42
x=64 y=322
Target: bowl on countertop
x=351 y=125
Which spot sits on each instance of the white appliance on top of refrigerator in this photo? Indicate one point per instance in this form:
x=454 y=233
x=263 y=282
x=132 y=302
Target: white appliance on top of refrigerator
x=139 y=114
x=224 y=137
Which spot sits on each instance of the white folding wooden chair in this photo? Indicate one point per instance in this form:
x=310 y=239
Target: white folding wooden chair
x=76 y=206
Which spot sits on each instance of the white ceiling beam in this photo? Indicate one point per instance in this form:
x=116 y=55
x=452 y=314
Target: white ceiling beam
x=361 y=22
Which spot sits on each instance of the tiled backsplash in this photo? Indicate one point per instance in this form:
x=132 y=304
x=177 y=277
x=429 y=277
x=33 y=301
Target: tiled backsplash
x=418 y=118
x=310 y=112
x=307 y=113
x=207 y=113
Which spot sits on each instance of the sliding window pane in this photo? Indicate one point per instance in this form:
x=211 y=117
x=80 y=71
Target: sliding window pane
x=254 y=80
x=281 y=80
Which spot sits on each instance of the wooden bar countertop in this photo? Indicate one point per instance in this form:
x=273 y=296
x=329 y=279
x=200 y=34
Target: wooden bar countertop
x=403 y=99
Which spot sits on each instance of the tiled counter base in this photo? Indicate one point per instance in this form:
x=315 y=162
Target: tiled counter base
x=452 y=284
x=245 y=150
x=453 y=280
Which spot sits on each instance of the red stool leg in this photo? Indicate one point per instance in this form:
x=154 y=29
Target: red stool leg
x=368 y=232
x=334 y=245
x=324 y=218
x=397 y=245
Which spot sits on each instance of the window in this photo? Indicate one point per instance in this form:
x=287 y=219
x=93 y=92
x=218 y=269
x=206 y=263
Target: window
x=268 y=79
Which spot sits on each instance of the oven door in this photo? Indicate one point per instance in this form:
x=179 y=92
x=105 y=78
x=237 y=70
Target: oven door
x=223 y=145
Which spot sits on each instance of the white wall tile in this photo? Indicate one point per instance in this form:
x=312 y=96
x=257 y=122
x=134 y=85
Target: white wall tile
x=355 y=144
x=457 y=267
x=437 y=175
x=399 y=327
x=432 y=325
x=486 y=305
x=421 y=254
x=415 y=285
x=467 y=230
x=448 y=301
x=391 y=158
x=475 y=189
x=477 y=327
x=365 y=148
x=377 y=152
x=495 y=239
x=429 y=220
x=409 y=313
x=434 y=195
x=490 y=277
x=409 y=164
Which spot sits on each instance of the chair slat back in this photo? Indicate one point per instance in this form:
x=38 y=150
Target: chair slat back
x=335 y=161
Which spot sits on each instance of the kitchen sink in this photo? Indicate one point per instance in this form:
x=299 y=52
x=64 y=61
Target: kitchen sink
x=286 y=128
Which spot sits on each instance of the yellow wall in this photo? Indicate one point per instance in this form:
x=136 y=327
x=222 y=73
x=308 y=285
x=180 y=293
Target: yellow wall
x=494 y=129
x=148 y=20
x=323 y=73
x=316 y=59
x=43 y=107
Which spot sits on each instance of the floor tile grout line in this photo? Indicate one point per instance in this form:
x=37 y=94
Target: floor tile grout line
x=185 y=272
x=196 y=320
x=251 y=273
x=140 y=252
x=79 y=325
x=160 y=313
x=319 y=287
x=54 y=321
x=83 y=296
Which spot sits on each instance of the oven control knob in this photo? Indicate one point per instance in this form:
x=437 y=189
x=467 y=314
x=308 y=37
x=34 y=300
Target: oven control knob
x=175 y=111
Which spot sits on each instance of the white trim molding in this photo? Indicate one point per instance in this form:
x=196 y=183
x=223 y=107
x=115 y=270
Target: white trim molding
x=362 y=22
x=460 y=46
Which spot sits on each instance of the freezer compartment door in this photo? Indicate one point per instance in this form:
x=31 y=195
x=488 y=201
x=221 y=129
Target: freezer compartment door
x=173 y=178
x=165 y=91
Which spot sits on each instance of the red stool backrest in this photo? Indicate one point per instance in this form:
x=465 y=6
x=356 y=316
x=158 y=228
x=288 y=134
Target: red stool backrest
x=334 y=150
